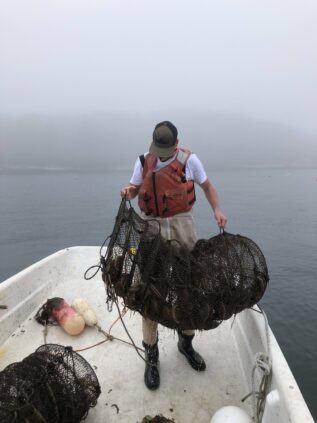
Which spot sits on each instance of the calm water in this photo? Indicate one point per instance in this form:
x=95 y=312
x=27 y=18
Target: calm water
x=277 y=208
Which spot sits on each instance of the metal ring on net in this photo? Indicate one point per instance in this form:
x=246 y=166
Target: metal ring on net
x=178 y=288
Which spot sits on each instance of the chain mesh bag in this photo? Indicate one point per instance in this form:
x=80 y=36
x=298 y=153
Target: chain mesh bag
x=52 y=385
x=178 y=288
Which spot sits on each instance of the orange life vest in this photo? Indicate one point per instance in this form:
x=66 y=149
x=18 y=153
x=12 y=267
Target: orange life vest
x=166 y=192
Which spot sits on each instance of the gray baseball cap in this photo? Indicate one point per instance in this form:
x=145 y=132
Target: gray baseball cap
x=164 y=139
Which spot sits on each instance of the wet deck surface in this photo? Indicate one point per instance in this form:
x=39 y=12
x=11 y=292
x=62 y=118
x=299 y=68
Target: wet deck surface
x=185 y=395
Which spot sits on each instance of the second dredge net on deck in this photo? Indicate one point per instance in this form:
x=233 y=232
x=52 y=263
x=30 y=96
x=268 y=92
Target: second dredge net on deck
x=54 y=384
x=178 y=288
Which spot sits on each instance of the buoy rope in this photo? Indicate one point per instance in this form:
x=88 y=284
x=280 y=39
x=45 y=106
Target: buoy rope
x=107 y=335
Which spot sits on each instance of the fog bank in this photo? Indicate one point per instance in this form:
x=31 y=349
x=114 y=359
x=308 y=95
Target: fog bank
x=113 y=141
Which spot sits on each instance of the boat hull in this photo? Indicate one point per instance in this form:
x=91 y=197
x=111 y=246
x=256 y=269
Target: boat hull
x=185 y=395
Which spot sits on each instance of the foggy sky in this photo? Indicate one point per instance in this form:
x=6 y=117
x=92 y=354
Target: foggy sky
x=148 y=58
x=75 y=56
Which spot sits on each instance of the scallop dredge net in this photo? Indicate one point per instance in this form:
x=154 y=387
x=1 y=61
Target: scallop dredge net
x=178 y=288
x=52 y=385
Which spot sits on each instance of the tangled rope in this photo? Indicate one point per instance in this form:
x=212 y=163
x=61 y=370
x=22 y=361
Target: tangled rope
x=262 y=365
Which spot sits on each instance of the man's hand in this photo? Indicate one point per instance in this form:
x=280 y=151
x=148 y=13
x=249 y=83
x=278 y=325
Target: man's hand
x=129 y=192
x=212 y=197
x=220 y=218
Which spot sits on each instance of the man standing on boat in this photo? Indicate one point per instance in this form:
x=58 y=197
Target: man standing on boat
x=164 y=181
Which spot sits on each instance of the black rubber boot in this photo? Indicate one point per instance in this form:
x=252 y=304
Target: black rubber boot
x=185 y=347
x=151 y=374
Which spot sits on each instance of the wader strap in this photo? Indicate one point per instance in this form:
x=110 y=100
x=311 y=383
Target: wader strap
x=182 y=157
x=142 y=159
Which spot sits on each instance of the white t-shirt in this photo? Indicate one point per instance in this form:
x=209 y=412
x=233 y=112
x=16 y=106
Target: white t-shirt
x=194 y=169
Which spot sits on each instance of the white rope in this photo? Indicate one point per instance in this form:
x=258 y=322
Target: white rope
x=262 y=364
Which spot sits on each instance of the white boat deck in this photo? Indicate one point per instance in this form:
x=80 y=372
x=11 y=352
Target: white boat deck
x=185 y=395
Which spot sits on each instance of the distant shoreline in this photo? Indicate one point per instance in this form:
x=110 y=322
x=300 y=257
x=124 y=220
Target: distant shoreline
x=68 y=170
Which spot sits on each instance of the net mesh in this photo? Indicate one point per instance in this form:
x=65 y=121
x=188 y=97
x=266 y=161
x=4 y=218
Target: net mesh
x=157 y=419
x=178 y=288
x=53 y=384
